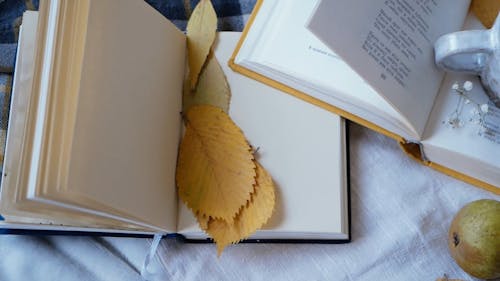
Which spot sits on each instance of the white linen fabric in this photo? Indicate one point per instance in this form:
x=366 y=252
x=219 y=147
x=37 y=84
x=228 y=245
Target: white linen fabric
x=400 y=211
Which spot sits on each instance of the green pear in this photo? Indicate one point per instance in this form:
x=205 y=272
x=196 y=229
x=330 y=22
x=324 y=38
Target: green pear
x=474 y=239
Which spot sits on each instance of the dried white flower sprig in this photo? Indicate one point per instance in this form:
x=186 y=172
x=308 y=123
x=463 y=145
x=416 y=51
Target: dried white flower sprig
x=477 y=113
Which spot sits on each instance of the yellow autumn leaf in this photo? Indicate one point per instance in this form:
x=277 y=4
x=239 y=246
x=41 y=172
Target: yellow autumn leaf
x=201 y=30
x=486 y=11
x=202 y=220
x=212 y=88
x=251 y=217
x=215 y=168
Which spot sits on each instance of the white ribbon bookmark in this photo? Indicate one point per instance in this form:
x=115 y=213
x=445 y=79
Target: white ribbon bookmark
x=145 y=273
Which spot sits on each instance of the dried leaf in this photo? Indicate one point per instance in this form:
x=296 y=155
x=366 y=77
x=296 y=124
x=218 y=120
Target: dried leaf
x=251 y=217
x=212 y=88
x=202 y=221
x=486 y=11
x=215 y=169
x=200 y=31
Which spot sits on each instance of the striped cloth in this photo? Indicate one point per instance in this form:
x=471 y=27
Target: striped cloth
x=232 y=16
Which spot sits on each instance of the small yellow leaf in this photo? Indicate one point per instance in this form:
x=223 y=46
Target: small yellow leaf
x=251 y=217
x=215 y=168
x=486 y=11
x=212 y=88
x=200 y=31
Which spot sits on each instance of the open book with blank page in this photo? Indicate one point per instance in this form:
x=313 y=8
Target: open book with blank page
x=95 y=126
x=373 y=62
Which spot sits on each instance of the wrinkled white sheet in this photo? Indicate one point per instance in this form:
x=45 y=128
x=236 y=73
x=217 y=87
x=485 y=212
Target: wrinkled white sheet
x=400 y=217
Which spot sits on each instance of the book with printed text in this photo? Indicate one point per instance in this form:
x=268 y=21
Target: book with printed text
x=373 y=62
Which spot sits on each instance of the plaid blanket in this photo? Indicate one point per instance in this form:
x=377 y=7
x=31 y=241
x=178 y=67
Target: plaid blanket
x=232 y=16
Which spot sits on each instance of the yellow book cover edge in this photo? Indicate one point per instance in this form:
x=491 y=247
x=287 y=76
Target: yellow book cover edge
x=408 y=148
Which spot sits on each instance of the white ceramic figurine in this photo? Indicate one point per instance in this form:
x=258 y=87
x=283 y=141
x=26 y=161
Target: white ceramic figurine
x=475 y=52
